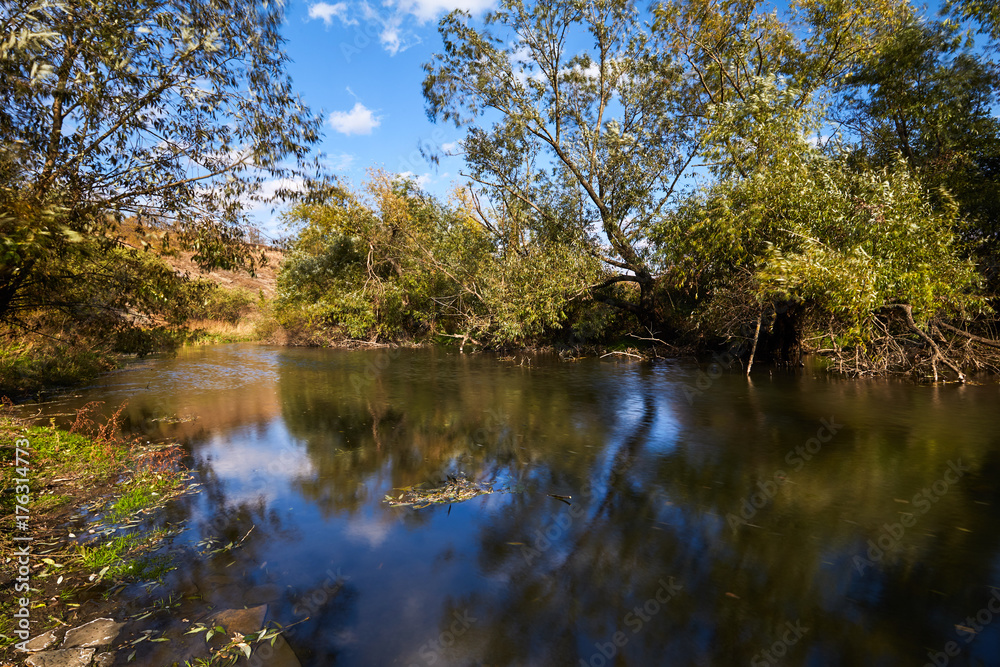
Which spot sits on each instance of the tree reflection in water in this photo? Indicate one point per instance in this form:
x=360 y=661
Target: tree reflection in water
x=305 y=452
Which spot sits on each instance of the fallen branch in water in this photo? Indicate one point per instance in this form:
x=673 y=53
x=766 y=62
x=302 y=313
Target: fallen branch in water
x=627 y=354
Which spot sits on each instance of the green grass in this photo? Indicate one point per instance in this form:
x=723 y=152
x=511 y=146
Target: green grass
x=71 y=471
x=109 y=552
x=114 y=554
x=140 y=493
x=144 y=568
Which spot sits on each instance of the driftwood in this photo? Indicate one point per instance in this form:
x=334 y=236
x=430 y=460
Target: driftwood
x=907 y=310
x=898 y=345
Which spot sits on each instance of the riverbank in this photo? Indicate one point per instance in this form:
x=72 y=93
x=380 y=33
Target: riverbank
x=33 y=367
x=89 y=572
x=83 y=504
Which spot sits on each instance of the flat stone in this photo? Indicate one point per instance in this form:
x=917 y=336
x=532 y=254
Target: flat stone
x=99 y=632
x=243 y=621
x=104 y=659
x=67 y=657
x=279 y=655
x=262 y=594
x=41 y=642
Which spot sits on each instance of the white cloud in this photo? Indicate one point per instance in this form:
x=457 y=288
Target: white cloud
x=269 y=189
x=422 y=181
x=428 y=10
x=451 y=147
x=327 y=12
x=359 y=120
x=392 y=18
x=341 y=162
x=593 y=71
x=368 y=531
x=818 y=141
x=391 y=33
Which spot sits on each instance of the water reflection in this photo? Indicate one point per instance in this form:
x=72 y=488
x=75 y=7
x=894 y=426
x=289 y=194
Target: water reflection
x=773 y=522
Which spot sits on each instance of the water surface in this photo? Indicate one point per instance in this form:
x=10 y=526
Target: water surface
x=797 y=519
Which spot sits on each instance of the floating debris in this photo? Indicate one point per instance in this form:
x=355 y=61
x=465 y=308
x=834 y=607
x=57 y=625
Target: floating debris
x=458 y=489
x=174 y=419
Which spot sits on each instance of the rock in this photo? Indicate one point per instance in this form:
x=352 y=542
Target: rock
x=67 y=657
x=41 y=642
x=223 y=596
x=99 y=632
x=104 y=659
x=279 y=655
x=243 y=621
x=262 y=594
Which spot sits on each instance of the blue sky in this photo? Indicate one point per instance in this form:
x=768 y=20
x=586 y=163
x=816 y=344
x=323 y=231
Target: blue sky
x=360 y=65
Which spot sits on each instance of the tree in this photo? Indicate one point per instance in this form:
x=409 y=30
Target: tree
x=392 y=262
x=928 y=97
x=849 y=249
x=163 y=114
x=606 y=108
x=556 y=130
x=985 y=13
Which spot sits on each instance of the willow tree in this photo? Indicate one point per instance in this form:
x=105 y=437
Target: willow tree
x=609 y=107
x=599 y=122
x=152 y=112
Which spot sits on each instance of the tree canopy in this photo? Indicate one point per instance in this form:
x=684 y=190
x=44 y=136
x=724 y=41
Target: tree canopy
x=161 y=115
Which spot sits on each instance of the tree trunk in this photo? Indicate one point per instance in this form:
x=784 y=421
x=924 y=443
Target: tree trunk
x=784 y=344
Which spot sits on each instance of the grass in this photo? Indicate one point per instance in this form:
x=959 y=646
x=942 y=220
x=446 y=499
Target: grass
x=31 y=366
x=110 y=552
x=70 y=471
x=141 y=492
x=116 y=557
x=210 y=332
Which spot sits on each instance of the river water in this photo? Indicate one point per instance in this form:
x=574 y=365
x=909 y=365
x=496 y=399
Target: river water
x=798 y=519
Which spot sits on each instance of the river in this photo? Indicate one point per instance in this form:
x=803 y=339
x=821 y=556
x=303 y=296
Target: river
x=643 y=513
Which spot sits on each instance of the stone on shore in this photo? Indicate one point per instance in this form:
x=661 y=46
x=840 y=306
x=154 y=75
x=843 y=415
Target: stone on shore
x=67 y=657
x=99 y=632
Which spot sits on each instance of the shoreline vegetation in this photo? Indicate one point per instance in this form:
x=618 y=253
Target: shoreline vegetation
x=750 y=179
x=93 y=499
x=96 y=504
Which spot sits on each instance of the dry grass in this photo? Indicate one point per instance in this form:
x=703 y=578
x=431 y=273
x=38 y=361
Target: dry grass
x=264 y=281
x=205 y=332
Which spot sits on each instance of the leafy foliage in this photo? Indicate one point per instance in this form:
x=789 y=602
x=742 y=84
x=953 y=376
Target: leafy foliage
x=395 y=263
x=816 y=232
x=155 y=119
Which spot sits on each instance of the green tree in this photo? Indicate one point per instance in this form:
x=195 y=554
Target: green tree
x=156 y=112
x=843 y=248
x=393 y=263
x=604 y=108
x=928 y=97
